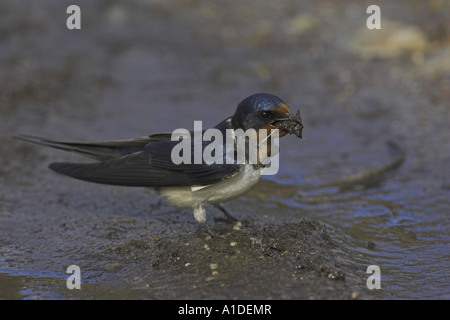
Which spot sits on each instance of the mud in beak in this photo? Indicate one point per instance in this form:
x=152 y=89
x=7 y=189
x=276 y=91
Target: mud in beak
x=290 y=125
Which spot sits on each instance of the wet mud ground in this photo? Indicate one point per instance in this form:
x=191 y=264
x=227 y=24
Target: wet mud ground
x=369 y=184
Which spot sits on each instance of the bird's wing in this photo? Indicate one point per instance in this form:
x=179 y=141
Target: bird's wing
x=152 y=167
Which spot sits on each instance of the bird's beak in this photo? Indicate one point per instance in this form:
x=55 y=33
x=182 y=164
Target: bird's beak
x=291 y=124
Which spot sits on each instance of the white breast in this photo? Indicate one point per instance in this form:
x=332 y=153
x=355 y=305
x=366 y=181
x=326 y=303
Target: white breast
x=213 y=194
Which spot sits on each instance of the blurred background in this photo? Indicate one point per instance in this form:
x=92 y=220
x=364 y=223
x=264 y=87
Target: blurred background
x=373 y=165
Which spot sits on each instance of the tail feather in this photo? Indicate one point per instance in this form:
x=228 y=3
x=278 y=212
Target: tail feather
x=101 y=151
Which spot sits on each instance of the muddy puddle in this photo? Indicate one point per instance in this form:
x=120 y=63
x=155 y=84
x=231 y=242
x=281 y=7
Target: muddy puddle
x=367 y=185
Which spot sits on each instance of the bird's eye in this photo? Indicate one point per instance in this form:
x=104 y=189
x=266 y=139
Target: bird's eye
x=264 y=114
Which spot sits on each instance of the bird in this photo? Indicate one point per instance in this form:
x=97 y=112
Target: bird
x=148 y=161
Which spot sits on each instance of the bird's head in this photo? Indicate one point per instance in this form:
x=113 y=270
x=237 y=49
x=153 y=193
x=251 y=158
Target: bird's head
x=262 y=111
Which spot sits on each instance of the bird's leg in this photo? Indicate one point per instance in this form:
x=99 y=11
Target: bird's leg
x=229 y=217
x=200 y=216
x=208 y=229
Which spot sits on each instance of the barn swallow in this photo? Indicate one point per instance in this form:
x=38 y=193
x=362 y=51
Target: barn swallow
x=146 y=161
